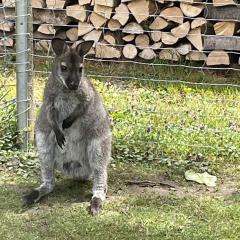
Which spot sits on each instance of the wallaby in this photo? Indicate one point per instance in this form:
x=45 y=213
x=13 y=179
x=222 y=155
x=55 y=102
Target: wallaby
x=73 y=132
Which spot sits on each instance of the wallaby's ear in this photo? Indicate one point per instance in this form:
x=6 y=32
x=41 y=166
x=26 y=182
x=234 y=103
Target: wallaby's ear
x=84 y=47
x=59 y=46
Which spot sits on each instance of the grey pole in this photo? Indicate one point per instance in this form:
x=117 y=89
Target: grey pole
x=22 y=58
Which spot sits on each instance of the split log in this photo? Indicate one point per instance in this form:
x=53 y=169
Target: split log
x=222 y=42
x=84 y=28
x=141 y=9
x=130 y=51
x=158 y=24
x=168 y=38
x=103 y=51
x=43 y=45
x=94 y=35
x=107 y=3
x=46 y=29
x=198 y=22
x=224 y=28
x=8 y=3
x=169 y=54
x=122 y=14
x=109 y=38
x=156 y=46
x=72 y=34
x=156 y=36
x=174 y=14
x=38 y=35
x=196 y=56
x=6 y=42
x=8 y=14
x=97 y=20
x=84 y=2
x=191 y=10
x=147 y=54
x=128 y=38
x=133 y=28
x=77 y=11
x=6 y=26
x=184 y=49
x=218 y=58
x=226 y=12
x=55 y=4
x=46 y=16
x=113 y=25
x=38 y=3
x=181 y=31
x=142 y=41
x=219 y=3
x=195 y=37
x=103 y=11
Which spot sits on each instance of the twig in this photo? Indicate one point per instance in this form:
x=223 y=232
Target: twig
x=147 y=183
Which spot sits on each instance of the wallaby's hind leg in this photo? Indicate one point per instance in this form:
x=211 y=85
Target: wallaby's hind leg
x=46 y=155
x=99 y=154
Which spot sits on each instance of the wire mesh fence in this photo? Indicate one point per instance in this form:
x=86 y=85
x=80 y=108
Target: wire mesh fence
x=173 y=105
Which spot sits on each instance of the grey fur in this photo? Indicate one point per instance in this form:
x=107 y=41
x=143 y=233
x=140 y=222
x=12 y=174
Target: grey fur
x=73 y=131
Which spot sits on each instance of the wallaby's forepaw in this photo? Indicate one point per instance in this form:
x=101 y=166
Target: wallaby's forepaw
x=67 y=123
x=31 y=198
x=60 y=139
x=95 y=206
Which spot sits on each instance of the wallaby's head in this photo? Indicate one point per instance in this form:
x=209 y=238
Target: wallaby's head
x=68 y=64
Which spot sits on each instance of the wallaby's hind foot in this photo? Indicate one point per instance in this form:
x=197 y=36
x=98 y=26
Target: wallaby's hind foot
x=95 y=206
x=30 y=198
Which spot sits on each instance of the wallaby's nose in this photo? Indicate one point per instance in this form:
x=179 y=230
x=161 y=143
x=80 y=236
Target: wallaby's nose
x=73 y=86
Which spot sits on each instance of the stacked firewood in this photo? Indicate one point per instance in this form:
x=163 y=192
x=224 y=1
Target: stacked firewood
x=194 y=30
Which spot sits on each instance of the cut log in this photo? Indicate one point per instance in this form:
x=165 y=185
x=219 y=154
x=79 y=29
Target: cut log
x=94 y=35
x=103 y=51
x=9 y=3
x=113 y=25
x=109 y=38
x=130 y=51
x=77 y=11
x=43 y=45
x=142 y=41
x=56 y=17
x=108 y=3
x=224 y=28
x=128 y=38
x=196 y=56
x=169 y=54
x=222 y=42
x=122 y=14
x=218 y=58
x=184 y=49
x=55 y=4
x=103 y=11
x=46 y=29
x=38 y=35
x=147 y=54
x=156 y=46
x=72 y=34
x=181 y=31
x=141 y=9
x=6 y=26
x=191 y=10
x=84 y=2
x=133 y=28
x=168 y=38
x=97 y=20
x=84 y=28
x=198 y=22
x=158 y=24
x=219 y=13
x=156 y=36
x=219 y=3
x=38 y=3
x=195 y=37
x=173 y=14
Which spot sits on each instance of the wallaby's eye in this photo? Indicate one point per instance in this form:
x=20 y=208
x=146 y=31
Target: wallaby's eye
x=63 y=68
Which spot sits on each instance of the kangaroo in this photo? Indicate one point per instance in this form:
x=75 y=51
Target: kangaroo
x=73 y=132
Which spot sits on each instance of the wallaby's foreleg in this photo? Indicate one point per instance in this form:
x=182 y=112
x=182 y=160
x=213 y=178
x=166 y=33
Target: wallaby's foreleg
x=46 y=152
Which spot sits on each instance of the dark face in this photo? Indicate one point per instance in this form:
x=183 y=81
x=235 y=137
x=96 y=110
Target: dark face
x=68 y=65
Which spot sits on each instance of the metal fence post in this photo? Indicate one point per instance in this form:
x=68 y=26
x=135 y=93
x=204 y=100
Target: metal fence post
x=22 y=59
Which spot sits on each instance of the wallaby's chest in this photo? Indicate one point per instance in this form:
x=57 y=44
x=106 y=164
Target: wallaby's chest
x=65 y=104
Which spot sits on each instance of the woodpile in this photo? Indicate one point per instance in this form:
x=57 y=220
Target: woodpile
x=136 y=29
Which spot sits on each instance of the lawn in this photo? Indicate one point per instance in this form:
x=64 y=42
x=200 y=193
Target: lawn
x=160 y=131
